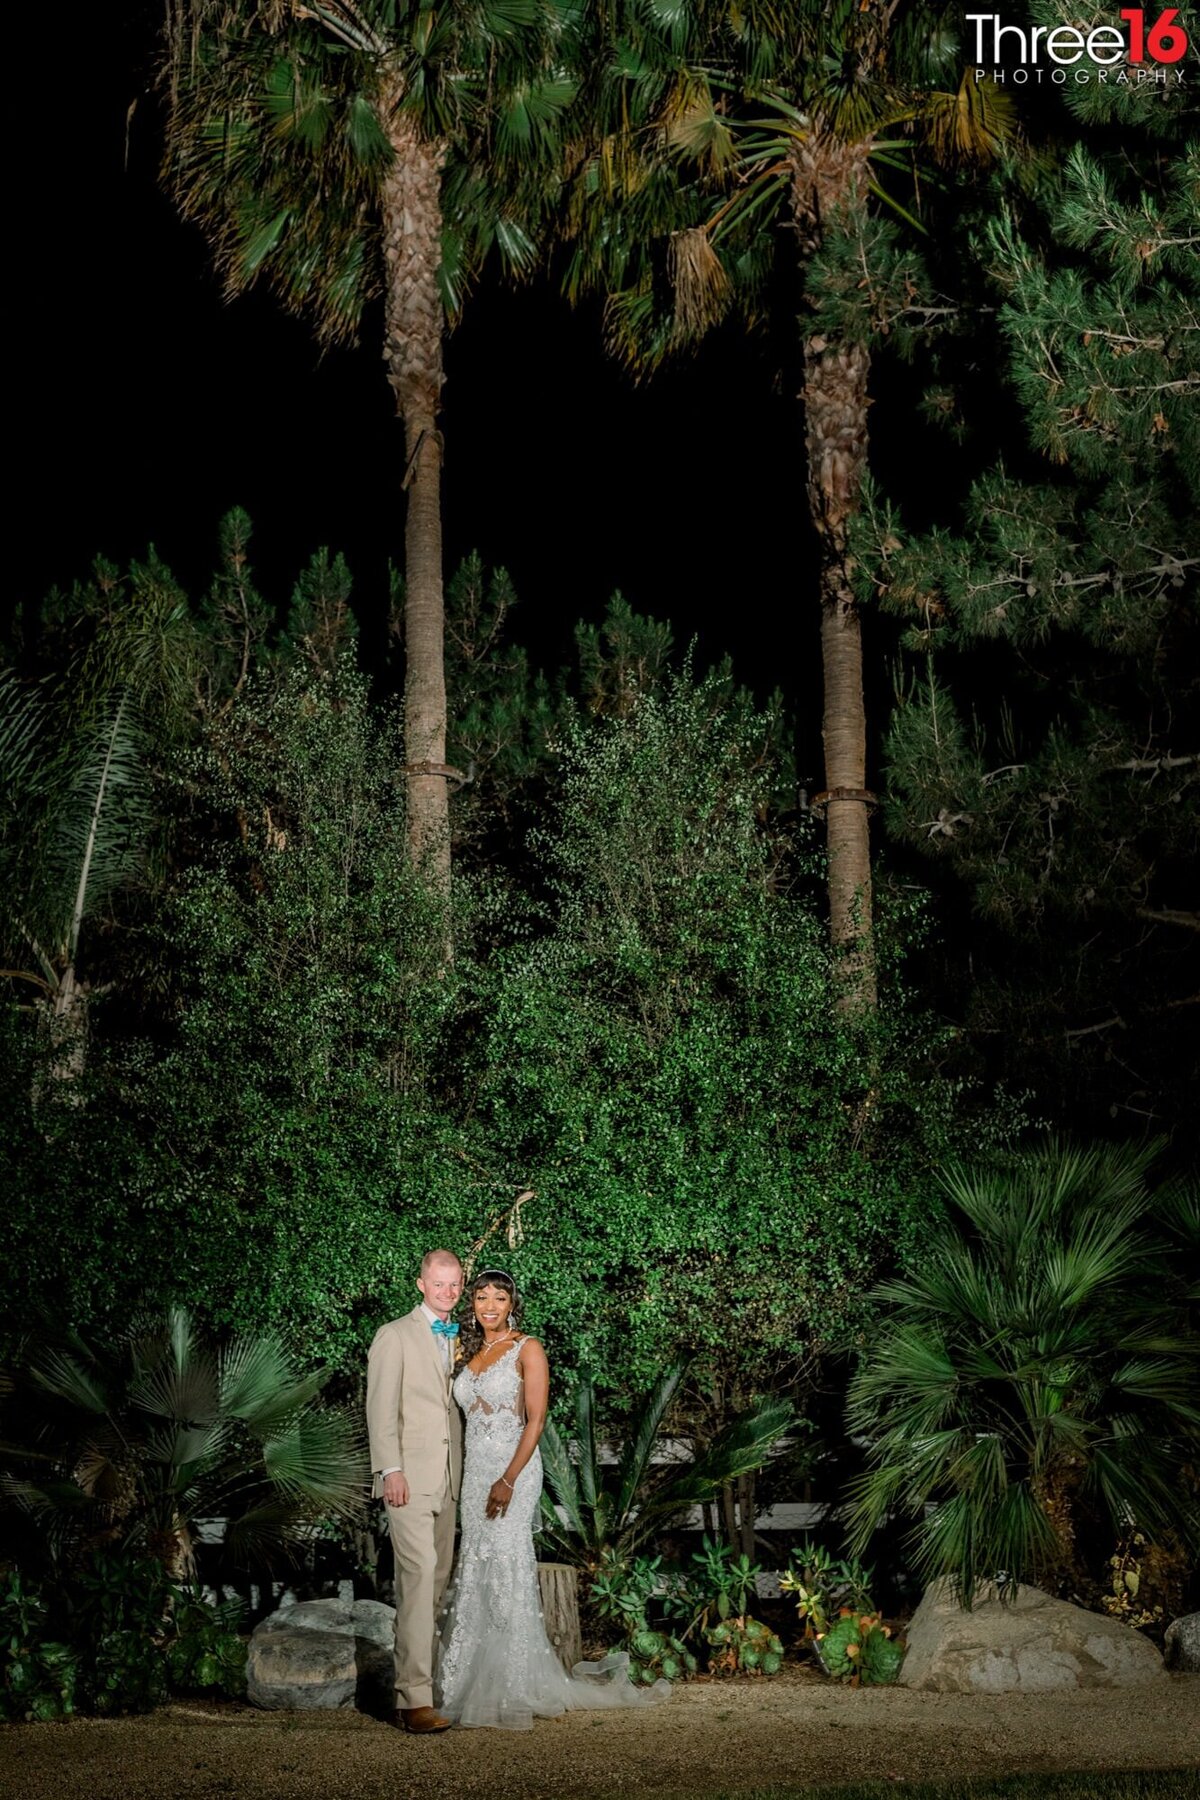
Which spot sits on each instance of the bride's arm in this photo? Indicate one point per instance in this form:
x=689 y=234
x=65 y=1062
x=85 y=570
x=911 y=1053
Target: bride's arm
x=536 y=1373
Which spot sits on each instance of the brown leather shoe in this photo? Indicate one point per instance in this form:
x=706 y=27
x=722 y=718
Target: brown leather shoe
x=421 y=1719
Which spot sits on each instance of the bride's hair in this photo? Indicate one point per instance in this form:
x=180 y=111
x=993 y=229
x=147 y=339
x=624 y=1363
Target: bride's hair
x=472 y=1333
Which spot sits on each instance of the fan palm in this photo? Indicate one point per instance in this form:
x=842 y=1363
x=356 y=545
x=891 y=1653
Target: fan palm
x=138 y=1445
x=714 y=125
x=341 y=150
x=608 y=1515
x=1034 y=1367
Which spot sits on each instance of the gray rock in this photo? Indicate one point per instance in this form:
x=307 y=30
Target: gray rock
x=324 y=1654
x=1032 y=1642
x=1181 y=1645
x=372 y=1619
x=311 y=1615
x=299 y=1670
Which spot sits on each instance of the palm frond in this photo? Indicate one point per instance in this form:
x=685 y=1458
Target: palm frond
x=318 y=1460
x=1037 y=1343
x=639 y=1446
x=585 y=1428
x=66 y=1378
x=100 y=825
x=698 y=281
x=560 y=1471
x=976 y=123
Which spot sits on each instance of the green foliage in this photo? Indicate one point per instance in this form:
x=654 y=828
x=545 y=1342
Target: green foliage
x=658 y=1656
x=206 y=1651
x=661 y=1059
x=40 y=1674
x=139 y=1442
x=622 y=1592
x=502 y=717
x=727 y=1581
x=1034 y=1368
x=84 y=702
x=109 y=1635
x=1043 y=748
x=834 y=1602
x=823 y=1586
x=611 y=1512
x=707 y=131
x=858 y=1648
x=282 y=135
x=743 y=1646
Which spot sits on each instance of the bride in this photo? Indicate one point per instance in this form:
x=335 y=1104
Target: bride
x=496 y=1665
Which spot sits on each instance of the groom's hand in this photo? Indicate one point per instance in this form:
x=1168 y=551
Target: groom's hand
x=395 y=1489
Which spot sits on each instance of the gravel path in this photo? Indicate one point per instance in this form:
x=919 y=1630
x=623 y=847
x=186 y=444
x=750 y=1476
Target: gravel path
x=710 y=1738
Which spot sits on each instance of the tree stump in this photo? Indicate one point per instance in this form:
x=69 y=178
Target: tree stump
x=559 y=1587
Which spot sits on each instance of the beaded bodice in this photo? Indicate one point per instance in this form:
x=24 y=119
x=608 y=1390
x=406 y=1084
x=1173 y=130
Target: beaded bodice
x=493 y=1401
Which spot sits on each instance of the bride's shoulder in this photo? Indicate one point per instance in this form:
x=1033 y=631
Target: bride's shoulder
x=530 y=1346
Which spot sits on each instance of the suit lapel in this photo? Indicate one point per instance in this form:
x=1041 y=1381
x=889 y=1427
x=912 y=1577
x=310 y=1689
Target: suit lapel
x=431 y=1344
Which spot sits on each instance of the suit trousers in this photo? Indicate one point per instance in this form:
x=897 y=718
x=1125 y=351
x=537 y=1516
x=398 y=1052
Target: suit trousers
x=423 y=1544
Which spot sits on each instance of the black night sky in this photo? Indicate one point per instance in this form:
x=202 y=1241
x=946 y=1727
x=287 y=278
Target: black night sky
x=145 y=406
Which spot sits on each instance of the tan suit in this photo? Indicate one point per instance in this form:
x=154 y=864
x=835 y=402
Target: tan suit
x=413 y=1425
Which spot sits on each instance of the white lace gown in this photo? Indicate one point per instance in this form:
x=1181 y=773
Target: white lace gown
x=496 y=1665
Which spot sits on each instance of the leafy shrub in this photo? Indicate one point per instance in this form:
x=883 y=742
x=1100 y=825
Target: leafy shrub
x=119 y=1613
x=656 y=1655
x=112 y=1636
x=622 y=1593
x=834 y=1602
x=206 y=1650
x=39 y=1674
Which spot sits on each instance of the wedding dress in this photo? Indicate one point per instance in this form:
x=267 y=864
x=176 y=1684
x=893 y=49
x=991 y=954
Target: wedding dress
x=496 y=1665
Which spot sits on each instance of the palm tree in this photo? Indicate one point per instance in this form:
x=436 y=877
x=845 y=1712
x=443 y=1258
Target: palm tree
x=136 y=1443
x=342 y=150
x=1037 y=1367
x=712 y=128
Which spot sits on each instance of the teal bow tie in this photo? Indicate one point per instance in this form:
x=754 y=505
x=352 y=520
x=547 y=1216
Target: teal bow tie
x=442 y=1329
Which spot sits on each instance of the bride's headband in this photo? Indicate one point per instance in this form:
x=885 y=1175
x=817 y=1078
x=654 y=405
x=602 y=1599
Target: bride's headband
x=490 y=1275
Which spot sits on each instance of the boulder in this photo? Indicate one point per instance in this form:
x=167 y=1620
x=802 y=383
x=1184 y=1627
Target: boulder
x=1181 y=1645
x=291 y=1670
x=1030 y=1642
x=324 y=1654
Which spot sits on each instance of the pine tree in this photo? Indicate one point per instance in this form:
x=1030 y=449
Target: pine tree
x=1045 y=749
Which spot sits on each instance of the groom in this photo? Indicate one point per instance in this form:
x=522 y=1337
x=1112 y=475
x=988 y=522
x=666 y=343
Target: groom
x=416 y=1453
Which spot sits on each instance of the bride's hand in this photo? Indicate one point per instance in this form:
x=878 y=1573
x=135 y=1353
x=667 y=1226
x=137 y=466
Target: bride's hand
x=499 y=1495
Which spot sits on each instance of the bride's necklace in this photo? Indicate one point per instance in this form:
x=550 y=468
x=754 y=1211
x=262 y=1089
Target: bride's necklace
x=486 y=1352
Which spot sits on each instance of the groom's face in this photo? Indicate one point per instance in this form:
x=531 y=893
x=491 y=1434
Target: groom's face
x=441 y=1287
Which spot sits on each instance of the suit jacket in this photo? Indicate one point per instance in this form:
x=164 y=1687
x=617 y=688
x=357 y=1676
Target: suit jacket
x=412 y=1419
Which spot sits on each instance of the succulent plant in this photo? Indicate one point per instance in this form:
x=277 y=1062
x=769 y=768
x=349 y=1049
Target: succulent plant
x=656 y=1655
x=744 y=1646
x=858 y=1648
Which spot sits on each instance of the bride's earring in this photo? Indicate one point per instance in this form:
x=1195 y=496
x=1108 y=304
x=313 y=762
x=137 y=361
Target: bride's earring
x=511 y=1321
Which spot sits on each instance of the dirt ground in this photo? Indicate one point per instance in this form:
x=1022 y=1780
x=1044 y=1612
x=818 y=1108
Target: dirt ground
x=709 y=1738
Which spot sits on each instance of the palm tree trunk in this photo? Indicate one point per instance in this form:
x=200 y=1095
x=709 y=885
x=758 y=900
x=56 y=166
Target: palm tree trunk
x=826 y=183
x=414 y=321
